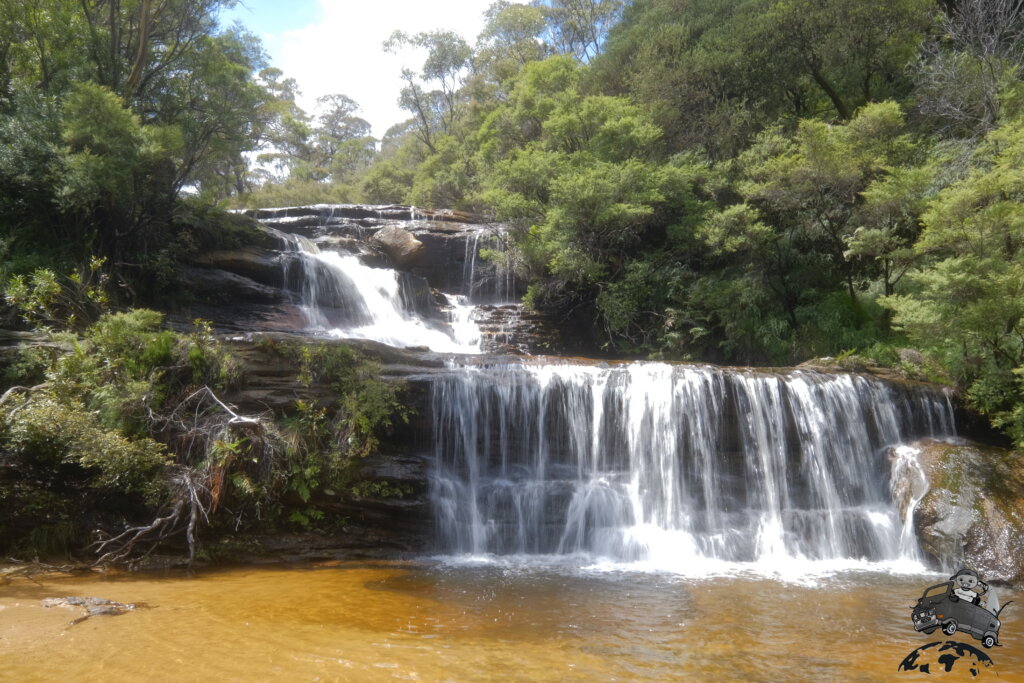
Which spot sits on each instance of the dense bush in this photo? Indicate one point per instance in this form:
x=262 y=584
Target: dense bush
x=124 y=432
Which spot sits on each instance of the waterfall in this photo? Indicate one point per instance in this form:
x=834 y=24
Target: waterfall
x=485 y=280
x=671 y=464
x=342 y=297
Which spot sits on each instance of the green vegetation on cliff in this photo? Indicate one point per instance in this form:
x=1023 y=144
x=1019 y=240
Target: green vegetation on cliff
x=120 y=438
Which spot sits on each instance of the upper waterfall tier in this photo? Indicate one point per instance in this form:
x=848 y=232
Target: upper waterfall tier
x=673 y=464
x=448 y=255
x=391 y=274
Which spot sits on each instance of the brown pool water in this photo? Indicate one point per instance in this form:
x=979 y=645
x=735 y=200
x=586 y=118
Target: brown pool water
x=435 y=622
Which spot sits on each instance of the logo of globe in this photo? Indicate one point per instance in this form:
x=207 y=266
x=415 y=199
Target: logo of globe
x=948 y=657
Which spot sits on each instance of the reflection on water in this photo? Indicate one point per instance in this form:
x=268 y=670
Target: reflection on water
x=436 y=622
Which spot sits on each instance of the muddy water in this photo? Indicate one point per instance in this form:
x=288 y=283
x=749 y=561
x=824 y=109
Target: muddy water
x=436 y=622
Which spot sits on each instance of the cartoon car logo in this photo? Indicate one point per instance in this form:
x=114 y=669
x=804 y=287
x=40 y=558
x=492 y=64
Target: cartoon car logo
x=939 y=607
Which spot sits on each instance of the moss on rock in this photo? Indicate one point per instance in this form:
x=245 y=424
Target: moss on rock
x=973 y=513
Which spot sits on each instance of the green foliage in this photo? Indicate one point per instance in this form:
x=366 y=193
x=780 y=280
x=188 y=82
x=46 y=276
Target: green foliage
x=324 y=440
x=966 y=306
x=109 y=113
x=716 y=73
x=44 y=299
x=366 y=404
x=387 y=183
x=25 y=365
x=97 y=422
x=109 y=150
x=50 y=432
x=380 y=489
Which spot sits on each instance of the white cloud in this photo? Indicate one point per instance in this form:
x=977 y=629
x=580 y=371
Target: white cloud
x=342 y=53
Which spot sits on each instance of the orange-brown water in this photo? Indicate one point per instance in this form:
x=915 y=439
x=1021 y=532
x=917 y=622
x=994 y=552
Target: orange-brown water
x=429 y=622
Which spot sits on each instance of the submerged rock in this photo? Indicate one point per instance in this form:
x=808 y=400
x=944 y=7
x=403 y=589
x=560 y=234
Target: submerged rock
x=973 y=512
x=93 y=606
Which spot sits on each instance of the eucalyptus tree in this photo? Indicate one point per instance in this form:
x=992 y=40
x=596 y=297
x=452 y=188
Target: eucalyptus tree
x=432 y=95
x=83 y=75
x=716 y=72
x=578 y=28
x=510 y=39
x=342 y=142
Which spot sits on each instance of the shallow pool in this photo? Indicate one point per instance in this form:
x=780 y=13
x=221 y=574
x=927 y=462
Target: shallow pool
x=435 y=621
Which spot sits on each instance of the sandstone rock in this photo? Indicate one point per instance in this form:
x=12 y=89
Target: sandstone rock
x=214 y=285
x=404 y=250
x=973 y=513
x=255 y=263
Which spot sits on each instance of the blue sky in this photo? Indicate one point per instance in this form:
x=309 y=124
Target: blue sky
x=272 y=16
x=334 y=46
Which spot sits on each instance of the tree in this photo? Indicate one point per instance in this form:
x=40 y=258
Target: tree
x=509 y=40
x=847 y=48
x=581 y=184
x=715 y=73
x=670 y=56
x=448 y=59
x=117 y=170
x=890 y=221
x=110 y=111
x=578 y=27
x=342 y=143
x=217 y=105
x=966 y=305
x=814 y=183
x=965 y=73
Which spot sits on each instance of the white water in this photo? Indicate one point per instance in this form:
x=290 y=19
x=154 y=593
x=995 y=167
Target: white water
x=688 y=469
x=342 y=297
x=492 y=283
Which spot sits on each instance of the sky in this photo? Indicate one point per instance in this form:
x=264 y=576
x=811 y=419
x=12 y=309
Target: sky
x=334 y=46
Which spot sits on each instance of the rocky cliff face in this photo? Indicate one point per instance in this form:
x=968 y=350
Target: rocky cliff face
x=391 y=517
x=972 y=513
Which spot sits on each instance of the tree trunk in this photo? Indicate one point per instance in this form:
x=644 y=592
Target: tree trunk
x=841 y=108
x=141 y=52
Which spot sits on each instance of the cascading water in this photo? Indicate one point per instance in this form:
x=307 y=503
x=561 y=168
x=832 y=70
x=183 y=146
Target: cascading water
x=672 y=465
x=488 y=282
x=343 y=297
x=669 y=465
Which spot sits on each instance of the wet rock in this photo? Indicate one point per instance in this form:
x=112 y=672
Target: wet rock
x=512 y=328
x=232 y=318
x=973 y=513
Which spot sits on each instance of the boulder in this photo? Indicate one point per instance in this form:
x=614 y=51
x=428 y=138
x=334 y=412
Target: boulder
x=973 y=512
x=404 y=250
